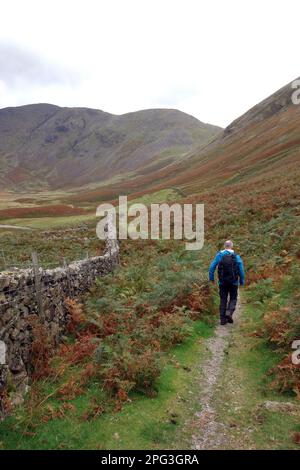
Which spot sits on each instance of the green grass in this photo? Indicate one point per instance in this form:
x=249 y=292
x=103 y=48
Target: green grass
x=245 y=387
x=145 y=423
x=159 y=197
x=266 y=236
x=164 y=273
x=45 y=223
x=59 y=243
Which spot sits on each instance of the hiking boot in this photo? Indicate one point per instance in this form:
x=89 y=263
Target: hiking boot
x=229 y=319
x=223 y=321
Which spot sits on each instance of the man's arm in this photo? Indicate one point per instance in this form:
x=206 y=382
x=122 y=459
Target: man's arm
x=241 y=270
x=213 y=266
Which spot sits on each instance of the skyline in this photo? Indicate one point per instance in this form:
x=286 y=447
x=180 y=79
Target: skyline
x=210 y=60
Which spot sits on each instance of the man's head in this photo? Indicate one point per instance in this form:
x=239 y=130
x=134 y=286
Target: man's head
x=228 y=245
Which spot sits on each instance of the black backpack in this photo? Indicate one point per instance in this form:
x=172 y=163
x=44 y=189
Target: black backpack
x=228 y=270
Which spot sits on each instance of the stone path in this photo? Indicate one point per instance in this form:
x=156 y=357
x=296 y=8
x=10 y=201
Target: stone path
x=212 y=433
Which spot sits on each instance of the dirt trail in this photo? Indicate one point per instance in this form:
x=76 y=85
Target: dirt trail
x=15 y=227
x=213 y=433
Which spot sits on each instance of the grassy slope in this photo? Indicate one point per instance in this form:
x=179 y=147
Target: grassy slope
x=269 y=253
x=145 y=423
x=157 y=422
x=250 y=187
x=69 y=147
x=52 y=239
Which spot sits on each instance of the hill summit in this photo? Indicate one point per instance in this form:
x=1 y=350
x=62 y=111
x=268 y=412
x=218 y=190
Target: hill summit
x=46 y=146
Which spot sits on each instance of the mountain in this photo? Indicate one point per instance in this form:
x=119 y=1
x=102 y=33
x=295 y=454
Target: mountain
x=277 y=102
x=45 y=146
x=262 y=144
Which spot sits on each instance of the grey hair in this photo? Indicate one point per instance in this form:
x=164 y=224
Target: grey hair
x=228 y=244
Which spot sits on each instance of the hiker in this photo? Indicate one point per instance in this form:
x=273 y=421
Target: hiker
x=230 y=274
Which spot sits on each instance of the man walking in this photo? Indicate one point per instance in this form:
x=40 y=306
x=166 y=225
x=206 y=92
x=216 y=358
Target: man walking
x=230 y=274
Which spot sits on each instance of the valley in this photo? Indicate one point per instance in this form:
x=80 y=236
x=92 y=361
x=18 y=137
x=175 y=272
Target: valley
x=130 y=373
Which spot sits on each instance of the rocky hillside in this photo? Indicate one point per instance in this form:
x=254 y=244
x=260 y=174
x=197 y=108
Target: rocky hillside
x=44 y=146
x=263 y=143
x=274 y=104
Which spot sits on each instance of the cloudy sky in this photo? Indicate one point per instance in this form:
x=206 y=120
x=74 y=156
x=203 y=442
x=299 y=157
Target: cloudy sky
x=213 y=59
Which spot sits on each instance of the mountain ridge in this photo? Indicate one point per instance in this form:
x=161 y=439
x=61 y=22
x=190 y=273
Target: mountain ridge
x=274 y=103
x=263 y=142
x=63 y=146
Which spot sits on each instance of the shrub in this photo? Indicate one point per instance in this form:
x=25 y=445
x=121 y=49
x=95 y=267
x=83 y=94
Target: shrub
x=76 y=315
x=41 y=348
x=287 y=376
x=262 y=291
x=127 y=371
x=282 y=327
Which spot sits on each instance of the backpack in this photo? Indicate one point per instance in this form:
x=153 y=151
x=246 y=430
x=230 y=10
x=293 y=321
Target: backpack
x=228 y=270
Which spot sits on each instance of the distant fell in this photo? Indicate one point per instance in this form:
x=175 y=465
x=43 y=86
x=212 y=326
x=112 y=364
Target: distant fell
x=43 y=146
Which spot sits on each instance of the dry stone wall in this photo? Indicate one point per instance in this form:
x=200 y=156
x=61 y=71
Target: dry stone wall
x=27 y=294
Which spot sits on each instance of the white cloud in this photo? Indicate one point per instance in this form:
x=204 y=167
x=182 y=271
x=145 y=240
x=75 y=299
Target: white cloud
x=212 y=59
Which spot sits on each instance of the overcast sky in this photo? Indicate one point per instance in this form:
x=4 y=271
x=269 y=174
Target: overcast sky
x=213 y=59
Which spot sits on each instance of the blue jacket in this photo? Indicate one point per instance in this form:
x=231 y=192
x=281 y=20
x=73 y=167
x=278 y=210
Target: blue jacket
x=216 y=261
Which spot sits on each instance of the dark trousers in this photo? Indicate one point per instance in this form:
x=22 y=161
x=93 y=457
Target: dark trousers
x=228 y=298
